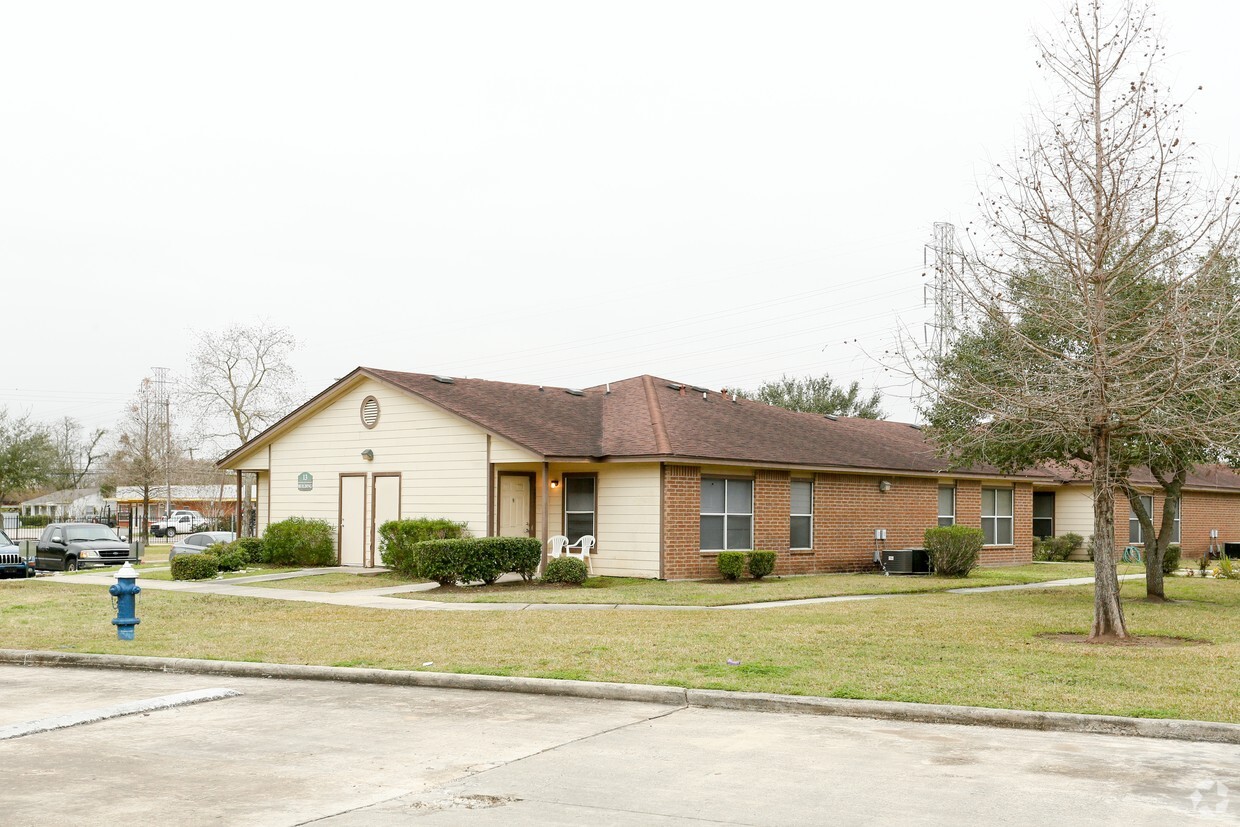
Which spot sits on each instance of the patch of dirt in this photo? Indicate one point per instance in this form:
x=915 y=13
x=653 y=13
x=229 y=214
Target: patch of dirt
x=1152 y=641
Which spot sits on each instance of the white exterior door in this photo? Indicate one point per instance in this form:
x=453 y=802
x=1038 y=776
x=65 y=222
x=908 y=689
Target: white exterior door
x=514 y=506
x=386 y=499
x=353 y=520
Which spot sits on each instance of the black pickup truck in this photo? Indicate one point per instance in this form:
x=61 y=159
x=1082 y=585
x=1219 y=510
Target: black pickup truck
x=70 y=546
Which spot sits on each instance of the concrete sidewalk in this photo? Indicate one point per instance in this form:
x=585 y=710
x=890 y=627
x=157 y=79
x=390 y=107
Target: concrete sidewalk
x=380 y=598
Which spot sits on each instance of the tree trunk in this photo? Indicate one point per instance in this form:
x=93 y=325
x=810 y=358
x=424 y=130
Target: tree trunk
x=1108 y=613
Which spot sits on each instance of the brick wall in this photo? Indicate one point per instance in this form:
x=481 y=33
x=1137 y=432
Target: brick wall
x=847 y=510
x=682 y=503
x=1200 y=511
x=772 y=504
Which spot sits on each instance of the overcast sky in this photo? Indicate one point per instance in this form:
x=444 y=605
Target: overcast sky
x=553 y=193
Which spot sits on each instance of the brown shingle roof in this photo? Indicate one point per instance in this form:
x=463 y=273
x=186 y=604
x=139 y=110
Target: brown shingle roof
x=649 y=416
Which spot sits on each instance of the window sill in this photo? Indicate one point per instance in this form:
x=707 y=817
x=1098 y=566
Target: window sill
x=800 y=551
x=713 y=552
x=1000 y=545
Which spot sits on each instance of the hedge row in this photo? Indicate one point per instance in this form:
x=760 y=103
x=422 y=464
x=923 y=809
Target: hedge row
x=401 y=536
x=468 y=560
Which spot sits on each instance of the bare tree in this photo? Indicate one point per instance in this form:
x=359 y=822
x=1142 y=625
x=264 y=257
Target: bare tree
x=1096 y=319
x=145 y=447
x=78 y=452
x=240 y=381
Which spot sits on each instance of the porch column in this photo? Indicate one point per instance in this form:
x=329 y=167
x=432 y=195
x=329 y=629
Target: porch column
x=240 y=526
x=546 y=497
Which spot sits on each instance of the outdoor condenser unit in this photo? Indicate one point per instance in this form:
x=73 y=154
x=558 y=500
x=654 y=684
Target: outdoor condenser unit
x=906 y=561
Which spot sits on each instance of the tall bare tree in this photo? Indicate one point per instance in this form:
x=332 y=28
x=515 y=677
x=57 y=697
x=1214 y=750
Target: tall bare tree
x=78 y=452
x=240 y=381
x=1095 y=319
x=146 y=450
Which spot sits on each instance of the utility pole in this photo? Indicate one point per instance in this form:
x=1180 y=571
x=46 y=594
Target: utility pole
x=161 y=382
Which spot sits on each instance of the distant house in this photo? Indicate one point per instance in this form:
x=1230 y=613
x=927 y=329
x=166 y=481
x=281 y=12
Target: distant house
x=212 y=501
x=69 y=504
x=664 y=475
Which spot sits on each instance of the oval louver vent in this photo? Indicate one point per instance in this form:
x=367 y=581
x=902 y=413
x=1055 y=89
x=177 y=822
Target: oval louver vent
x=370 y=411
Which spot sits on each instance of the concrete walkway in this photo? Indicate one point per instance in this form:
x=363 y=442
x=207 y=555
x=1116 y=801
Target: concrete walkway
x=380 y=598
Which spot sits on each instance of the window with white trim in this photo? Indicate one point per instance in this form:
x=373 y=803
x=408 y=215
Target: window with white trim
x=947 y=505
x=1135 y=535
x=726 y=515
x=1175 y=535
x=801 y=528
x=579 y=498
x=997 y=516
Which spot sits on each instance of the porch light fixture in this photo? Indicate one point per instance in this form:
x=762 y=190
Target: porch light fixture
x=368 y=455
x=884 y=486
x=555 y=483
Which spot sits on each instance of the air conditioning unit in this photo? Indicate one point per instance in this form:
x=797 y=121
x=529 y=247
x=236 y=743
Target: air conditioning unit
x=906 y=561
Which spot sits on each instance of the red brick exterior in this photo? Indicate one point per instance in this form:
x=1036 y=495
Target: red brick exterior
x=1200 y=511
x=682 y=504
x=847 y=510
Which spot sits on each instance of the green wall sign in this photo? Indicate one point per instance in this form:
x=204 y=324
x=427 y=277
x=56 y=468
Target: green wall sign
x=305 y=482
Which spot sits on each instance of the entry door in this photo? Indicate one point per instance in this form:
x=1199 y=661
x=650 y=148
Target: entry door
x=353 y=520
x=514 y=506
x=386 y=499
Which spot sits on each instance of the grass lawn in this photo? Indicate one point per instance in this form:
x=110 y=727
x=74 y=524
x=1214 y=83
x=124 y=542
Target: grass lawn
x=721 y=592
x=339 y=582
x=981 y=650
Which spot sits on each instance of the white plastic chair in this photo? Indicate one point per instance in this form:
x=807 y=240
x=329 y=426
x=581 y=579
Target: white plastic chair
x=581 y=549
x=558 y=543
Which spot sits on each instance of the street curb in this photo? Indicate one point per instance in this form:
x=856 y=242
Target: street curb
x=1163 y=728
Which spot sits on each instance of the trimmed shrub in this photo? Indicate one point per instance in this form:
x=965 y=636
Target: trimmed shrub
x=400 y=536
x=299 y=542
x=194 y=567
x=253 y=548
x=760 y=563
x=565 y=570
x=34 y=520
x=1171 y=559
x=953 y=549
x=470 y=559
x=1057 y=549
x=228 y=556
x=731 y=564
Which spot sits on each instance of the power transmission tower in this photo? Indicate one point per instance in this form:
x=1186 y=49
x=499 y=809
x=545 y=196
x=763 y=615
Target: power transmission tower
x=941 y=333
x=163 y=400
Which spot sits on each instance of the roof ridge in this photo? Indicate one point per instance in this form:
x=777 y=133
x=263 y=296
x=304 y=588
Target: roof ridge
x=662 y=443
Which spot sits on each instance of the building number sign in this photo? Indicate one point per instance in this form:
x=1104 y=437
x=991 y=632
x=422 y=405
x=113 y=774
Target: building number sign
x=305 y=482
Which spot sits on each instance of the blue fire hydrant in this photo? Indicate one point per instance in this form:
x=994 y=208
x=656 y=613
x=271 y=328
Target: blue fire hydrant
x=126 y=593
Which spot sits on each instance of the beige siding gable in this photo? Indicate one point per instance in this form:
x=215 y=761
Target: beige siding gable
x=441 y=458
x=504 y=451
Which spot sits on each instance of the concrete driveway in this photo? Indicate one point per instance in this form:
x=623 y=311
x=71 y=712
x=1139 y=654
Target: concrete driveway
x=293 y=752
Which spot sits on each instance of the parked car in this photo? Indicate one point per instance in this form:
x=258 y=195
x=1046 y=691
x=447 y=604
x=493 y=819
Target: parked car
x=196 y=543
x=70 y=546
x=12 y=564
x=181 y=521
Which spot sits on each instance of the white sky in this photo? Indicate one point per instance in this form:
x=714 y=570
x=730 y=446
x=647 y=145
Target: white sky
x=559 y=193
